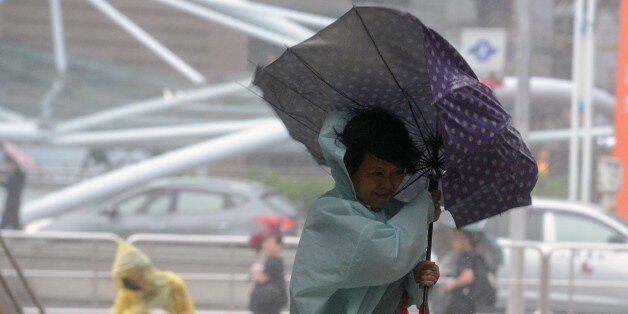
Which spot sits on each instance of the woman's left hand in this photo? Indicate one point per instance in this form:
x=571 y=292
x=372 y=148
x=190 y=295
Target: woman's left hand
x=426 y=273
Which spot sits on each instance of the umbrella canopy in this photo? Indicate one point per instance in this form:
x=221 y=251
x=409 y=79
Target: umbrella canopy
x=374 y=57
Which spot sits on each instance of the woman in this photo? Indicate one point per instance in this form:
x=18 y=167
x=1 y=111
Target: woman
x=354 y=256
x=474 y=287
x=269 y=294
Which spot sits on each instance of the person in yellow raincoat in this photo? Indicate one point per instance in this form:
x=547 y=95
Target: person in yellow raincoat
x=142 y=287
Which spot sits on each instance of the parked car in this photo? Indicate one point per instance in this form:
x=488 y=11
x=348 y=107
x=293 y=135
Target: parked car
x=600 y=276
x=214 y=206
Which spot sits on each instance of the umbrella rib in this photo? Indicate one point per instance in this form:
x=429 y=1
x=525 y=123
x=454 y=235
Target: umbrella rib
x=291 y=115
x=293 y=90
x=320 y=77
x=415 y=180
x=409 y=99
x=281 y=109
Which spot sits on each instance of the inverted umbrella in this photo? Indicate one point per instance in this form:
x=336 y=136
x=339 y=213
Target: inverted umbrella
x=374 y=57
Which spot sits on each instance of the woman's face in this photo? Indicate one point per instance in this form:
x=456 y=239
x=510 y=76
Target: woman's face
x=461 y=243
x=376 y=181
x=135 y=281
x=270 y=246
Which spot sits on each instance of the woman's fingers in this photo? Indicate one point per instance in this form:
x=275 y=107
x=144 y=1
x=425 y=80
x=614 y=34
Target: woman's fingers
x=428 y=281
x=428 y=273
x=429 y=265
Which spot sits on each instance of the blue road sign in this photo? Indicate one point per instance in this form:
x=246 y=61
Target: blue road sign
x=483 y=50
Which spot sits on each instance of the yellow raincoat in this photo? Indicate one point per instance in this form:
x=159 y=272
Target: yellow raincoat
x=159 y=289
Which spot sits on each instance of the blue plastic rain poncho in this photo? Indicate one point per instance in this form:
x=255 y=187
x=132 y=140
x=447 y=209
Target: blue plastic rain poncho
x=351 y=259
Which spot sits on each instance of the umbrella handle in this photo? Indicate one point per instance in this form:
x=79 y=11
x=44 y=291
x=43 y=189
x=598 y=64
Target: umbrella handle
x=433 y=186
x=428 y=256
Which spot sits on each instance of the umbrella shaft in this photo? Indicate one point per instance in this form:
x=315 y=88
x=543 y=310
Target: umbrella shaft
x=432 y=187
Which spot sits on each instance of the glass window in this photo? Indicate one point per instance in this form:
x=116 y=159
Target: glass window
x=576 y=228
x=159 y=204
x=132 y=205
x=193 y=202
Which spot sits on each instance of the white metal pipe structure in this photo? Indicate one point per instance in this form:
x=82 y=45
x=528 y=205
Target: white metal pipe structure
x=277 y=24
x=147 y=106
x=270 y=10
x=148 y=41
x=58 y=37
x=29 y=132
x=156 y=134
x=518 y=222
x=53 y=92
x=576 y=77
x=230 y=22
x=256 y=110
x=10 y=115
x=565 y=134
x=589 y=76
x=21 y=131
x=168 y=164
x=553 y=89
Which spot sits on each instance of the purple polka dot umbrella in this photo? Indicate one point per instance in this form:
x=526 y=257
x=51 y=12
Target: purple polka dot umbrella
x=374 y=57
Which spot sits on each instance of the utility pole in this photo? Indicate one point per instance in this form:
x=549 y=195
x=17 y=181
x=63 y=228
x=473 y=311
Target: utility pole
x=587 y=30
x=518 y=218
x=582 y=73
x=576 y=99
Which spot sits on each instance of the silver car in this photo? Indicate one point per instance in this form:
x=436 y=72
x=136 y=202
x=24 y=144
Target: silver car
x=183 y=206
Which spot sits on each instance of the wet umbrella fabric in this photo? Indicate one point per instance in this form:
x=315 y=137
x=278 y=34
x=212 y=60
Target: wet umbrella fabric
x=375 y=57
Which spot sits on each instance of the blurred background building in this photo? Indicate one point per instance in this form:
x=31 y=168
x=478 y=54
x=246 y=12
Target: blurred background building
x=108 y=68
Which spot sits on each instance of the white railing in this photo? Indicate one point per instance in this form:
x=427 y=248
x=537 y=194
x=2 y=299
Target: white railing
x=94 y=239
x=229 y=242
x=234 y=276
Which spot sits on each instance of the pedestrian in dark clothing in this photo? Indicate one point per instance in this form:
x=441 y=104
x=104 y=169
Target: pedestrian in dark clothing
x=461 y=299
x=14 y=184
x=269 y=294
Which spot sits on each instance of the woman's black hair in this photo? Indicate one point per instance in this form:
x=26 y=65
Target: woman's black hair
x=469 y=235
x=277 y=235
x=380 y=133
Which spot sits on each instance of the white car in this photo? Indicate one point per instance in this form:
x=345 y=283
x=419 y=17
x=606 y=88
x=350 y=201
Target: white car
x=600 y=276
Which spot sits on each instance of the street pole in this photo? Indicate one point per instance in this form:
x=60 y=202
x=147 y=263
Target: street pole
x=576 y=98
x=588 y=33
x=522 y=120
